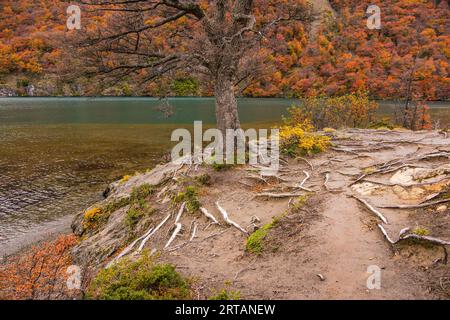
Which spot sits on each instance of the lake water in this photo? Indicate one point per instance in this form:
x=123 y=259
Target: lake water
x=57 y=155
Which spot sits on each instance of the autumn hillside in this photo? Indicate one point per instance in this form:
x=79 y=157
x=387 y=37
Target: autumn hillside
x=345 y=56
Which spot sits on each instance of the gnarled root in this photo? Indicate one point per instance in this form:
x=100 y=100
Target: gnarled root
x=372 y=209
x=209 y=215
x=228 y=220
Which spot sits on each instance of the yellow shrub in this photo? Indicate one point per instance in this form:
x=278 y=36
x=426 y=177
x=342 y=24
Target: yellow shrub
x=300 y=139
x=125 y=178
x=91 y=218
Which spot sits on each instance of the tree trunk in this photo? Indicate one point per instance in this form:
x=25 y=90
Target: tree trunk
x=226 y=105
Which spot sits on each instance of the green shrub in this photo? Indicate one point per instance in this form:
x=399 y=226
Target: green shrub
x=139 y=280
x=94 y=218
x=421 y=231
x=350 y=110
x=141 y=192
x=133 y=216
x=204 y=179
x=255 y=242
x=185 y=87
x=226 y=295
x=190 y=196
x=115 y=205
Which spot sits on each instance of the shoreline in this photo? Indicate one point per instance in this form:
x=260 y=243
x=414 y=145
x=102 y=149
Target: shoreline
x=42 y=233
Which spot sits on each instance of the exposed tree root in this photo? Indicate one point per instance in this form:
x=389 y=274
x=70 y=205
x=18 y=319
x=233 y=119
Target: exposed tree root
x=178 y=226
x=152 y=233
x=372 y=209
x=228 y=220
x=278 y=195
x=209 y=215
x=177 y=230
x=256 y=177
x=129 y=248
x=404 y=235
x=306 y=160
x=414 y=206
x=306 y=178
x=388 y=184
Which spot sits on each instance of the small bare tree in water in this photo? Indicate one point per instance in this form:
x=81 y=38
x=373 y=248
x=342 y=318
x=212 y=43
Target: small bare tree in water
x=220 y=39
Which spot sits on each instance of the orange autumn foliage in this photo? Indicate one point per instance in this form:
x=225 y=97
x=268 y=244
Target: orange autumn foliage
x=344 y=58
x=38 y=273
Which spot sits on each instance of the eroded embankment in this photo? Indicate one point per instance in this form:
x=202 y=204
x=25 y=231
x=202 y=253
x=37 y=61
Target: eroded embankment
x=376 y=198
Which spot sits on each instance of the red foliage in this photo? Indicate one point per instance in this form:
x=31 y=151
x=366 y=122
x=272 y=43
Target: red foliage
x=39 y=273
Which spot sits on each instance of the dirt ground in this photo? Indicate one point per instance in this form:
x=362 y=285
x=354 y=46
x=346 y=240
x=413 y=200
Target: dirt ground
x=322 y=250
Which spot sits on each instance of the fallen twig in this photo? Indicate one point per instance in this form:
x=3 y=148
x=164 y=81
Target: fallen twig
x=214 y=235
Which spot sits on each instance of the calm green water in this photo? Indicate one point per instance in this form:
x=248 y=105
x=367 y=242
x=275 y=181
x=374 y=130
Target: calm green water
x=57 y=155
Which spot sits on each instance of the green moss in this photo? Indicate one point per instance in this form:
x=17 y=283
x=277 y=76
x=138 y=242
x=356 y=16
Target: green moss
x=115 y=205
x=298 y=203
x=420 y=231
x=141 y=192
x=190 y=197
x=138 y=204
x=133 y=216
x=204 y=179
x=139 y=280
x=255 y=242
x=226 y=295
